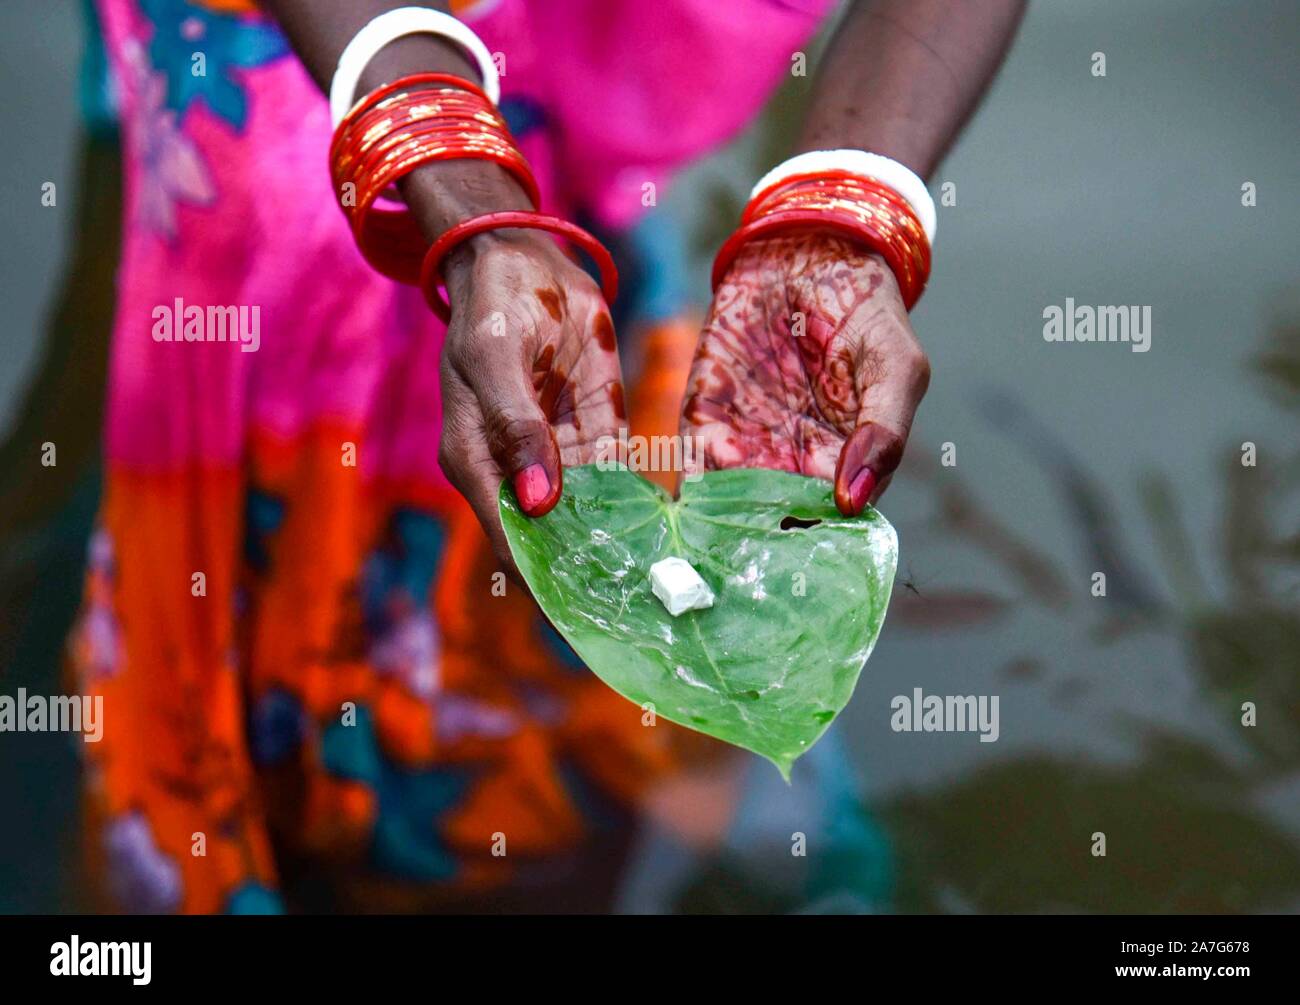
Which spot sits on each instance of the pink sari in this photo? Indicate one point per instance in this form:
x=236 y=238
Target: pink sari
x=287 y=609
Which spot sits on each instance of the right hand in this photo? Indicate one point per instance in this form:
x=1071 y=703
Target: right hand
x=834 y=400
x=530 y=374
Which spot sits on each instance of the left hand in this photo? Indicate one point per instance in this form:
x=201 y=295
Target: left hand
x=530 y=374
x=807 y=363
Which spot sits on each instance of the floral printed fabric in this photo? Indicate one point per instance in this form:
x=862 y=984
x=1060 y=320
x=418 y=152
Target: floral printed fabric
x=308 y=676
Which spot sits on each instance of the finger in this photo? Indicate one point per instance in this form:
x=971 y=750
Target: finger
x=583 y=397
x=516 y=432
x=465 y=459
x=599 y=413
x=888 y=393
x=722 y=411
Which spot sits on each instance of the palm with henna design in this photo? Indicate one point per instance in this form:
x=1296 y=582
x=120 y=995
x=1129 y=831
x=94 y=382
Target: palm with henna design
x=530 y=375
x=807 y=363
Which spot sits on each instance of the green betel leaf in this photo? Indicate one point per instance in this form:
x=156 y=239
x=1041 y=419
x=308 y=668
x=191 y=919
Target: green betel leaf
x=799 y=602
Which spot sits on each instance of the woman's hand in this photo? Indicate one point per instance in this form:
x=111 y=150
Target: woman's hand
x=807 y=363
x=530 y=373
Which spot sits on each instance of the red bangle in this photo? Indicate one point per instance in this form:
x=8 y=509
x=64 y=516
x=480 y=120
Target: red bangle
x=420 y=144
x=815 y=179
x=384 y=109
x=390 y=240
x=412 y=121
x=795 y=221
x=431 y=270
x=411 y=79
x=401 y=84
x=858 y=208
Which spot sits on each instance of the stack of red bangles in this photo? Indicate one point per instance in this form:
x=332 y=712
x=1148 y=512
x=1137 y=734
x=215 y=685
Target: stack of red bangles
x=419 y=119
x=857 y=207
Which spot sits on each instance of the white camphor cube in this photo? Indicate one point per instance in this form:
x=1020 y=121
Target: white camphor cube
x=679 y=587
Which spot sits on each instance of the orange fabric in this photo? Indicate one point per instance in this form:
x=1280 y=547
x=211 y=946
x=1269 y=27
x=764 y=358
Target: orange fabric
x=655 y=405
x=294 y=625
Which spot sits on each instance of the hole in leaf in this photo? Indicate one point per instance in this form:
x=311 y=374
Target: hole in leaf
x=797 y=523
x=750 y=695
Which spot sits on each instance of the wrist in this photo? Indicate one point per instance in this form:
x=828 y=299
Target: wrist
x=458 y=267
x=856 y=207
x=442 y=194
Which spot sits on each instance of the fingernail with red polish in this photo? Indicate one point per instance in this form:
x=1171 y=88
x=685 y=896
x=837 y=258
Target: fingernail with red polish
x=861 y=487
x=532 y=487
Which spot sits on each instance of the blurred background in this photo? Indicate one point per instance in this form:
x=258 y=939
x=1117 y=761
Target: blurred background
x=1119 y=714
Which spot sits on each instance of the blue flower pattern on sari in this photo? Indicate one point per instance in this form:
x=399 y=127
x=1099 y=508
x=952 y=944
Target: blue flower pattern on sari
x=226 y=42
x=403 y=843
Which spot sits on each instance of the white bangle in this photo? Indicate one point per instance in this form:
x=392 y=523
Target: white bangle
x=867 y=165
x=394 y=25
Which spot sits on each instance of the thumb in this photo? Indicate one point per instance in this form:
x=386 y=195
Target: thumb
x=519 y=437
x=873 y=451
x=866 y=461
